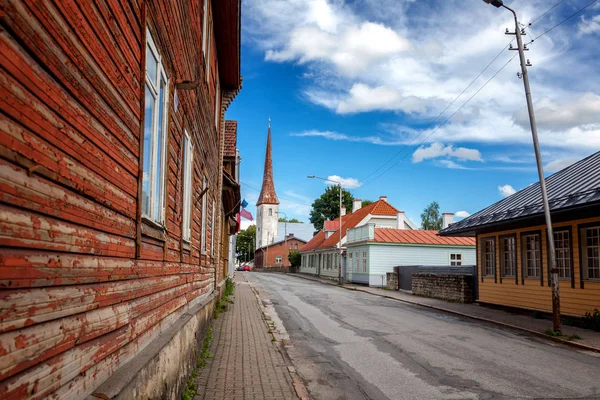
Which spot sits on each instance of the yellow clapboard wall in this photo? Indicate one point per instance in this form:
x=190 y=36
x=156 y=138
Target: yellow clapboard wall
x=532 y=295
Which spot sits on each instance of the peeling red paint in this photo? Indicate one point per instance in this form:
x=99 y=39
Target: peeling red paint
x=80 y=293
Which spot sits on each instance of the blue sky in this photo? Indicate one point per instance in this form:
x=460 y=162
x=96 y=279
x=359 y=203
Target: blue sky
x=353 y=90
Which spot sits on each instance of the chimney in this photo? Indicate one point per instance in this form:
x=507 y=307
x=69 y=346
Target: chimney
x=384 y=198
x=447 y=220
x=400 y=220
x=356 y=205
x=343 y=211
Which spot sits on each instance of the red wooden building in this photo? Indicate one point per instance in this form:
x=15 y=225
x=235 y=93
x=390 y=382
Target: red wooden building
x=114 y=207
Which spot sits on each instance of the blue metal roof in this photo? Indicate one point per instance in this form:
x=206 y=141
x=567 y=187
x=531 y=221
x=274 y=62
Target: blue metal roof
x=575 y=186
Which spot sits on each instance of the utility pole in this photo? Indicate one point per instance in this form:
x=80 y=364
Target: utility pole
x=285 y=234
x=536 y=146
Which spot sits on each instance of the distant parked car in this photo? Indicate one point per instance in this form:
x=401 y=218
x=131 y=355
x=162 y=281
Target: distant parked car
x=246 y=268
x=240 y=268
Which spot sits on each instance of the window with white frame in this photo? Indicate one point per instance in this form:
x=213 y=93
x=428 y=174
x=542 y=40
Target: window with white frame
x=204 y=27
x=217 y=103
x=455 y=259
x=203 y=238
x=489 y=256
x=213 y=231
x=508 y=256
x=364 y=261
x=278 y=260
x=270 y=212
x=562 y=250
x=532 y=258
x=188 y=155
x=350 y=261
x=296 y=246
x=590 y=240
x=155 y=128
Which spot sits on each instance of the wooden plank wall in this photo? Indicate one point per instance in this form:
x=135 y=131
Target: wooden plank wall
x=75 y=301
x=529 y=293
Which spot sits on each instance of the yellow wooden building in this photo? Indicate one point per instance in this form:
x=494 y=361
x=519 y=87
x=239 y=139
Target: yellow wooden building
x=512 y=256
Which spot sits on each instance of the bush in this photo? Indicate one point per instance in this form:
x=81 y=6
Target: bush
x=295 y=258
x=592 y=320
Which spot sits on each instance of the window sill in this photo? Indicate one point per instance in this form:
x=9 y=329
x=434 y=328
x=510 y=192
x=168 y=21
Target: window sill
x=153 y=229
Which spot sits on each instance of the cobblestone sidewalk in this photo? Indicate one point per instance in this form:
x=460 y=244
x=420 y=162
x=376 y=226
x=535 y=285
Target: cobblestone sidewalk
x=246 y=363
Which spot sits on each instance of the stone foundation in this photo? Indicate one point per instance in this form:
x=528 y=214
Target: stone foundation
x=450 y=287
x=161 y=370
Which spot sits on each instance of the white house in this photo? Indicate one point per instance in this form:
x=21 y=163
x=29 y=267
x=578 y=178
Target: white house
x=320 y=256
x=373 y=251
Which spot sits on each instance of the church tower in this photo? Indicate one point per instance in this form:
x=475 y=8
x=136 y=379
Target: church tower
x=267 y=206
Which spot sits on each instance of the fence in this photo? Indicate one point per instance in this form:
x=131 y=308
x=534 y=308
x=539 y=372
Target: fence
x=405 y=273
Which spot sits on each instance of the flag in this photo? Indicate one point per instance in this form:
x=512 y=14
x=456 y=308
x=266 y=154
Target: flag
x=246 y=214
x=239 y=221
x=244 y=203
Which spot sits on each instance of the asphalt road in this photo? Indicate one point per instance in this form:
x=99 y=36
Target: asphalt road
x=353 y=345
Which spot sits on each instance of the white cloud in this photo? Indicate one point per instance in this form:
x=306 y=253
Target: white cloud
x=462 y=214
x=341 y=136
x=564 y=114
x=244 y=224
x=436 y=150
x=506 y=190
x=408 y=57
x=557 y=165
x=361 y=98
x=452 y=165
x=347 y=183
x=352 y=50
x=589 y=26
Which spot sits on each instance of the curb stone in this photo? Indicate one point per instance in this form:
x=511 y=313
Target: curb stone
x=491 y=321
x=299 y=386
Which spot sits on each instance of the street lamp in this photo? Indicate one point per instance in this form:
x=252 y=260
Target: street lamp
x=340 y=281
x=540 y=168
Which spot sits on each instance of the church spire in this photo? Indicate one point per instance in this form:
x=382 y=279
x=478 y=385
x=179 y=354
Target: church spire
x=267 y=192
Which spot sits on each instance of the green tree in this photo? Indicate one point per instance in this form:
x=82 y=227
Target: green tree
x=291 y=221
x=430 y=217
x=245 y=243
x=328 y=206
x=366 y=203
x=295 y=258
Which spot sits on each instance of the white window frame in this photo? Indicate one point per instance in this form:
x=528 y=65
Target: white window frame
x=188 y=162
x=364 y=261
x=213 y=231
x=209 y=38
x=492 y=259
x=203 y=238
x=204 y=28
x=588 y=255
x=562 y=249
x=217 y=103
x=457 y=259
x=156 y=212
x=278 y=260
x=533 y=255
x=508 y=256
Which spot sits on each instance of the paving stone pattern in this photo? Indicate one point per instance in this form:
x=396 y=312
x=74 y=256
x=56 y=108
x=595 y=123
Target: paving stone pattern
x=246 y=363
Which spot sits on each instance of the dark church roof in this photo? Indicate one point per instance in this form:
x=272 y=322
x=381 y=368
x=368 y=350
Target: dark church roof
x=576 y=186
x=267 y=192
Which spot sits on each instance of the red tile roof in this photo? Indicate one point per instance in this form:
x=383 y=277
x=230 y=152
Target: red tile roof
x=332 y=225
x=230 y=138
x=349 y=221
x=389 y=235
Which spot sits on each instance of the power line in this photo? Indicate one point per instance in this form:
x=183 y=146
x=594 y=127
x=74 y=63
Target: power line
x=541 y=16
x=440 y=114
x=563 y=21
x=447 y=119
x=457 y=97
